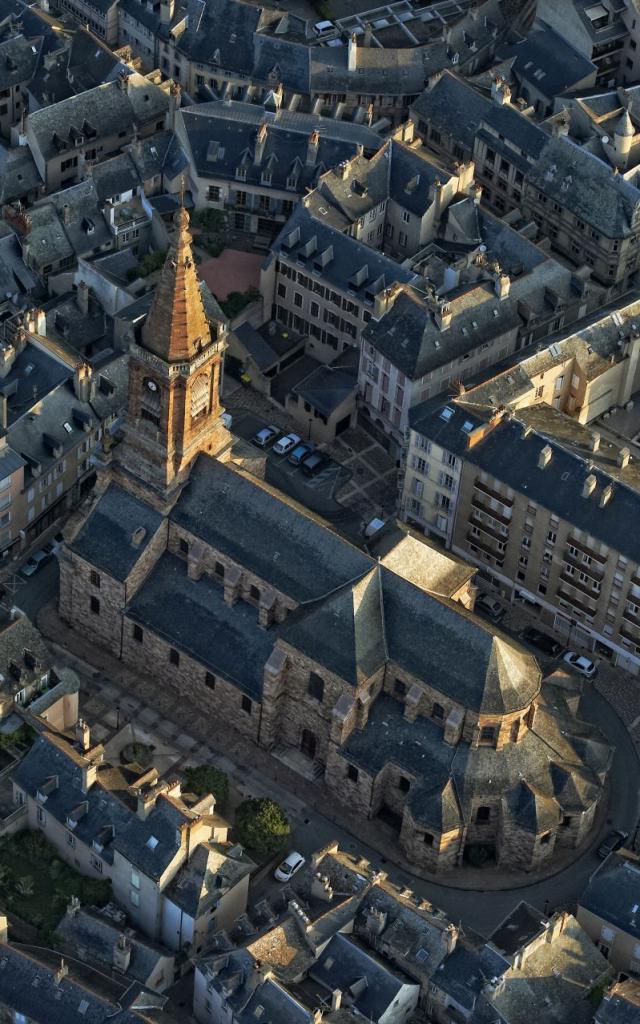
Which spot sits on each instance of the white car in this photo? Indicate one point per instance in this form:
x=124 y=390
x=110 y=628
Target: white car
x=581 y=664
x=284 y=444
x=289 y=866
x=321 y=28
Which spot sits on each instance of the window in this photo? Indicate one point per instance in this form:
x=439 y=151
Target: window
x=134 y=898
x=406 y=216
x=210 y=680
x=403 y=784
x=254 y=593
x=437 y=713
x=246 y=705
x=428 y=839
x=174 y=656
x=95 y=579
x=399 y=688
x=488 y=734
x=199 y=397
x=316 y=686
x=96 y=863
x=483 y=814
x=137 y=633
x=94 y=605
x=135 y=880
x=352 y=773
x=184 y=546
x=42 y=817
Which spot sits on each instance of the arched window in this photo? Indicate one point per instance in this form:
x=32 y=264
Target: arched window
x=316 y=686
x=199 y=396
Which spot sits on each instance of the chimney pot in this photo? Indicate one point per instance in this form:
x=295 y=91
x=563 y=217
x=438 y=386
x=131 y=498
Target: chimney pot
x=544 y=457
x=624 y=456
x=589 y=486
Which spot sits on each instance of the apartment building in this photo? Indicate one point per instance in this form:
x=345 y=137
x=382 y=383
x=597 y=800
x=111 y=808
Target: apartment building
x=608 y=911
x=601 y=31
x=590 y=214
x=543 y=504
x=258 y=164
x=167 y=857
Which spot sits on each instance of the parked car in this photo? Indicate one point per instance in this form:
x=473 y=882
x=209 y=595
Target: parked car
x=583 y=665
x=313 y=463
x=265 y=436
x=299 y=452
x=490 y=606
x=543 y=642
x=322 y=28
x=612 y=843
x=285 y=443
x=35 y=563
x=289 y=866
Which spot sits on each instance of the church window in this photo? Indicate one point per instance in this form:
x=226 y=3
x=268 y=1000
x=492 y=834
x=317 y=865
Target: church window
x=200 y=396
x=316 y=686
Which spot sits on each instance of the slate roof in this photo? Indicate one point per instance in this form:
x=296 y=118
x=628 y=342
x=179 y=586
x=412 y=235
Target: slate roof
x=20 y=642
x=115 y=176
x=522 y=925
x=348 y=255
x=265 y=534
x=213 y=870
x=30 y=988
x=342 y=963
x=108 y=109
x=270 y=1003
x=19 y=175
x=18 y=60
x=328 y=386
x=198 y=622
x=533 y=811
x=549 y=63
x=513 y=459
x=621 y=1004
x=579 y=181
x=463 y=974
x=613 y=893
x=266 y=348
x=106 y=537
x=93 y=935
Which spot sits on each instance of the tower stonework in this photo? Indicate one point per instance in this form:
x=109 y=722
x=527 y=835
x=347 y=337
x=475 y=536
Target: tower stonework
x=175 y=375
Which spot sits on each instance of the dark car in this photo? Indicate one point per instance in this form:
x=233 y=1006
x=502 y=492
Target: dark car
x=313 y=463
x=543 y=642
x=612 y=843
x=490 y=606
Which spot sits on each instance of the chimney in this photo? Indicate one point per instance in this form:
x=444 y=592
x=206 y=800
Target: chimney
x=82 y=381
x=606 y=495
x=500 y=91
x=122 y=954
x=312 y=148
x=146 y=803
x=73 y=906
x=623 y=458
x=66 y=214
x=261 y=139
x=4 y=928
x=83 y=735
x=61 y=973
x=174 y=103
x=89 y=775
x=368 y=34
x=502 y=285
x=595 y=441
x=352 y=52
x=343 y=170
x=544 y=458
x=82 y=297
x=4 y=412
x=476 y=192
x=167 y=8
x=123 y=81
x=336 y=999
x=560 y=125
x=589 y=486
x=443 y=315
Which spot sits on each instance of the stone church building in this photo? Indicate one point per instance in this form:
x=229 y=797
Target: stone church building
x=369 y=674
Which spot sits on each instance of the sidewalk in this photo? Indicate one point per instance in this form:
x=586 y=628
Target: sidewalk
x=115 y=692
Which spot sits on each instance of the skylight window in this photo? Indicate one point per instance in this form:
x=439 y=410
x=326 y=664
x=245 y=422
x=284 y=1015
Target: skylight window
x=152 y=842
x=67 y=426
x=446 y=413
x=467 y=426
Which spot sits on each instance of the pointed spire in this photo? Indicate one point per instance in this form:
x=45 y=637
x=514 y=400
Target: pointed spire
x=177 y=328
x=624 y=127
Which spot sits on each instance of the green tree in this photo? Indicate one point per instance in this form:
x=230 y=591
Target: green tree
x=205 y=778
x=262 y=825
x=24 y=886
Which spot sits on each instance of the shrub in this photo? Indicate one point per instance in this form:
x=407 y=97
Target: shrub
x=262 y=825
x=205 y=778
x=25 y=886
x=235 y=302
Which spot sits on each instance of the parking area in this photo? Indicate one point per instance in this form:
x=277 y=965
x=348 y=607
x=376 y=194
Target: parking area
x=357 y=484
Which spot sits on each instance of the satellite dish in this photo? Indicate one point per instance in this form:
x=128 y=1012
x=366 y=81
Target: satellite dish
x=483 y=248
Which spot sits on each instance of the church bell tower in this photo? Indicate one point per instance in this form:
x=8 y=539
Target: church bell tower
x=175 y=372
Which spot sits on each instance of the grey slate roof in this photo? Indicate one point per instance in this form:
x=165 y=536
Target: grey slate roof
x=328 y=386
x=519 y=927
x=30 y=988
x=342 y=963
x=93 y=935
x=198 y=622
x=621 y=1005
x=463 y=974
x=19 y=175
x=18 y=59
x=108 y=109
x=260 y=531
x=270 y=1003
x=549 y=63
x=106 y=538
x=613 y=893
x=513 y=458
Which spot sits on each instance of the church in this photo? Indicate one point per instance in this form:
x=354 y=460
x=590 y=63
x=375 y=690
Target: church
x=371 y=675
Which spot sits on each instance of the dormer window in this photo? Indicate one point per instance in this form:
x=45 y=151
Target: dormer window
x=241 y=173
x=266 y=178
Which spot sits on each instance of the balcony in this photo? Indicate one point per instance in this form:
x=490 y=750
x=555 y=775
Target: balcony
x=502 y=498
x=477 y=504
x=593 y=571
x=632 y=618
x=489 y=530
x=581 y=546
x=571 y=599
x=483 y=546
x=584 y=588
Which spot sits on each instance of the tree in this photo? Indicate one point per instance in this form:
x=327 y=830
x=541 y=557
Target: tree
x=25 y=886
x=262 y=826
x=205 y=778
